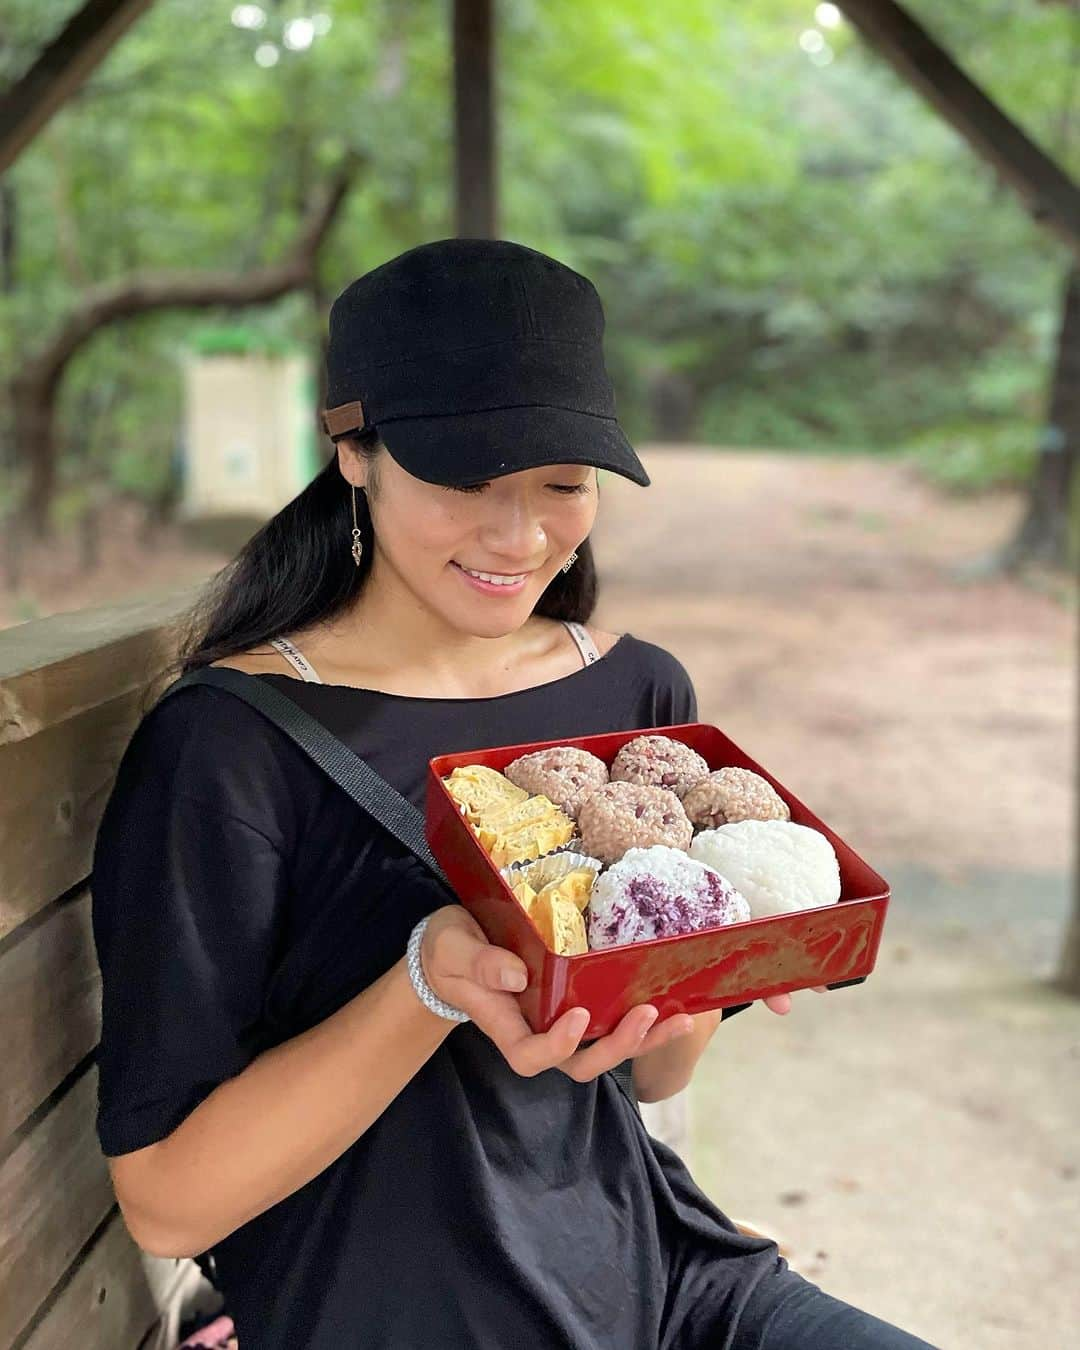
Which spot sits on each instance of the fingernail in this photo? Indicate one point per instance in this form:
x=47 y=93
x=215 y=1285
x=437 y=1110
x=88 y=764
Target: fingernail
x=513 y=979
x=579 y=1020
x=649 y=1020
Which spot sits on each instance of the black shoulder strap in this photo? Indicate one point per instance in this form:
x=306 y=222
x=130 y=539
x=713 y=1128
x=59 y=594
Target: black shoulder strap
x=624 y=1075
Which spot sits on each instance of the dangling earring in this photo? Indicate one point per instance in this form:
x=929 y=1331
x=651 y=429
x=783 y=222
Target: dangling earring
x=357 y=544
x=569 y=562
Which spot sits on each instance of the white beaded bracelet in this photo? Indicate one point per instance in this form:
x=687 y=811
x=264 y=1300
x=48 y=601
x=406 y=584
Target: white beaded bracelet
x=424 y=991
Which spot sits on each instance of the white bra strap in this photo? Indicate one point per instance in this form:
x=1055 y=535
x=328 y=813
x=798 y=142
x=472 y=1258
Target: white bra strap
x=585 y=645
x=296 y=659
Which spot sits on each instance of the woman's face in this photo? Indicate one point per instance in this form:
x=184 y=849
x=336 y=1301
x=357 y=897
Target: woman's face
x=518 y=529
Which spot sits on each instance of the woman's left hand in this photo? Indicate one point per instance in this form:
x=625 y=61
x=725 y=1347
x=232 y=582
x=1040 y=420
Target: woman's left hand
x=781 y=1003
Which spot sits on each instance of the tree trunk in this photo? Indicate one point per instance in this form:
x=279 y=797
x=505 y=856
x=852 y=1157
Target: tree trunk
x=1065 y=412
x=674 y=405
x=8 y=236
x=10 y=534
x=1043 y=535
x=1069 y=967
x=33 y=431
x=1069 y=970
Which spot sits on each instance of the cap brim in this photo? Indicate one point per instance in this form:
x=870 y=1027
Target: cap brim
x=462 y=448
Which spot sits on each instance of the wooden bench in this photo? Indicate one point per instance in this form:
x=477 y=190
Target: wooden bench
x=71 y=688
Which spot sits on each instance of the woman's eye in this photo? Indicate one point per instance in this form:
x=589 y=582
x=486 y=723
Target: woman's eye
x=567 y=489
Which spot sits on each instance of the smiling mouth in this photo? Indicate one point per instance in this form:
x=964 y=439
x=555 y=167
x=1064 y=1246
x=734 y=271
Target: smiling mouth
x=495 y=578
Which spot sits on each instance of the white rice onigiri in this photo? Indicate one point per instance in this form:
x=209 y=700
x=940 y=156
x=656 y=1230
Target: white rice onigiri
x=777 y=865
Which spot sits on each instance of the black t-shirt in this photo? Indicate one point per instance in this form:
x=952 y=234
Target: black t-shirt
x=241 y=897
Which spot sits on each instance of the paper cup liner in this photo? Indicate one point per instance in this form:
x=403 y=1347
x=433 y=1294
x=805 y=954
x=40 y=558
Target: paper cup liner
x=540 y=872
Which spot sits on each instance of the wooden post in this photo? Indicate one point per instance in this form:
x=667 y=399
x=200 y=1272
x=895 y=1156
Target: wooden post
x=474 y=120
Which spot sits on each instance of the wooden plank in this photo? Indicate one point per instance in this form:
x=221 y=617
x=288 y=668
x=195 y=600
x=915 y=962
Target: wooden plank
x=53 y=790
x=50 y=1007
x=114 y=1296
x=53 y=669
x=55 y=1191
x=86 y=40
x=1045 y=186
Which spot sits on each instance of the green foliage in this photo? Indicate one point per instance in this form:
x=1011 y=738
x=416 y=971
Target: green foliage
x=810 y=251
x=996 y=442
x=975 y=456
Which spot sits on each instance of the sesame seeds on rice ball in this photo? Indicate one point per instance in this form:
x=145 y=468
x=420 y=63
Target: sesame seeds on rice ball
x=659 y=761
x=562 y=773
x=623 y=815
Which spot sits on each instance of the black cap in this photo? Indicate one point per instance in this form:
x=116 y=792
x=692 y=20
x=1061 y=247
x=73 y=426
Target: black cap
x=475 y=358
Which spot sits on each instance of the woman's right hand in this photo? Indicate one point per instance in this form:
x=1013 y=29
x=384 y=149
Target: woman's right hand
x=469 y=972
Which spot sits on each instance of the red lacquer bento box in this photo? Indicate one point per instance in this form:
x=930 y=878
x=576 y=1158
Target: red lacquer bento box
x=835 y=945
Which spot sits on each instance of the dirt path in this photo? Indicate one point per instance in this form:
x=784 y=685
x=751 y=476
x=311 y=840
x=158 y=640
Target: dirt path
x=913 y=1139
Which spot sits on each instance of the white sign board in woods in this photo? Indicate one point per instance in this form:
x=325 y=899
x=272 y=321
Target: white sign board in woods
x=248 y=426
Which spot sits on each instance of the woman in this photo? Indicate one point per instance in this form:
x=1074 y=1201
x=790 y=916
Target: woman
x=376 y=1157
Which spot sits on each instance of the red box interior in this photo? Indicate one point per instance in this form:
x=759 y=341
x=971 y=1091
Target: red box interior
x=712 y=968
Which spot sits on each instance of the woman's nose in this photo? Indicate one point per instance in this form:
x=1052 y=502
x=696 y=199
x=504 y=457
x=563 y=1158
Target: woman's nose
x=523 y=544
x=515 y=530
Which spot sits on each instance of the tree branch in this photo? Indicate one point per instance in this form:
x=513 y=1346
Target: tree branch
x=141 y=292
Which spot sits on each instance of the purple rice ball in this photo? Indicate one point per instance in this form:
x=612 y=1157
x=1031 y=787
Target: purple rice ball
x=657 y=893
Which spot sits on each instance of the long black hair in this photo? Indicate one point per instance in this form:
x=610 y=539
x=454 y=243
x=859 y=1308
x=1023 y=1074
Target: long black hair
x=297 y=570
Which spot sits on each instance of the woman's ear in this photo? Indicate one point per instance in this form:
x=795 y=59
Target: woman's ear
x=352 y=464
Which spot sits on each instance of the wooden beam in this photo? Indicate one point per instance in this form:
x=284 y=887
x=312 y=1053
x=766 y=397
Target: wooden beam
x=475 y=196
x=1050 y=194
x=61 y=68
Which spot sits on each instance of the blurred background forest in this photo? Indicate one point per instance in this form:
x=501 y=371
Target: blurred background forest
x=794 y=251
